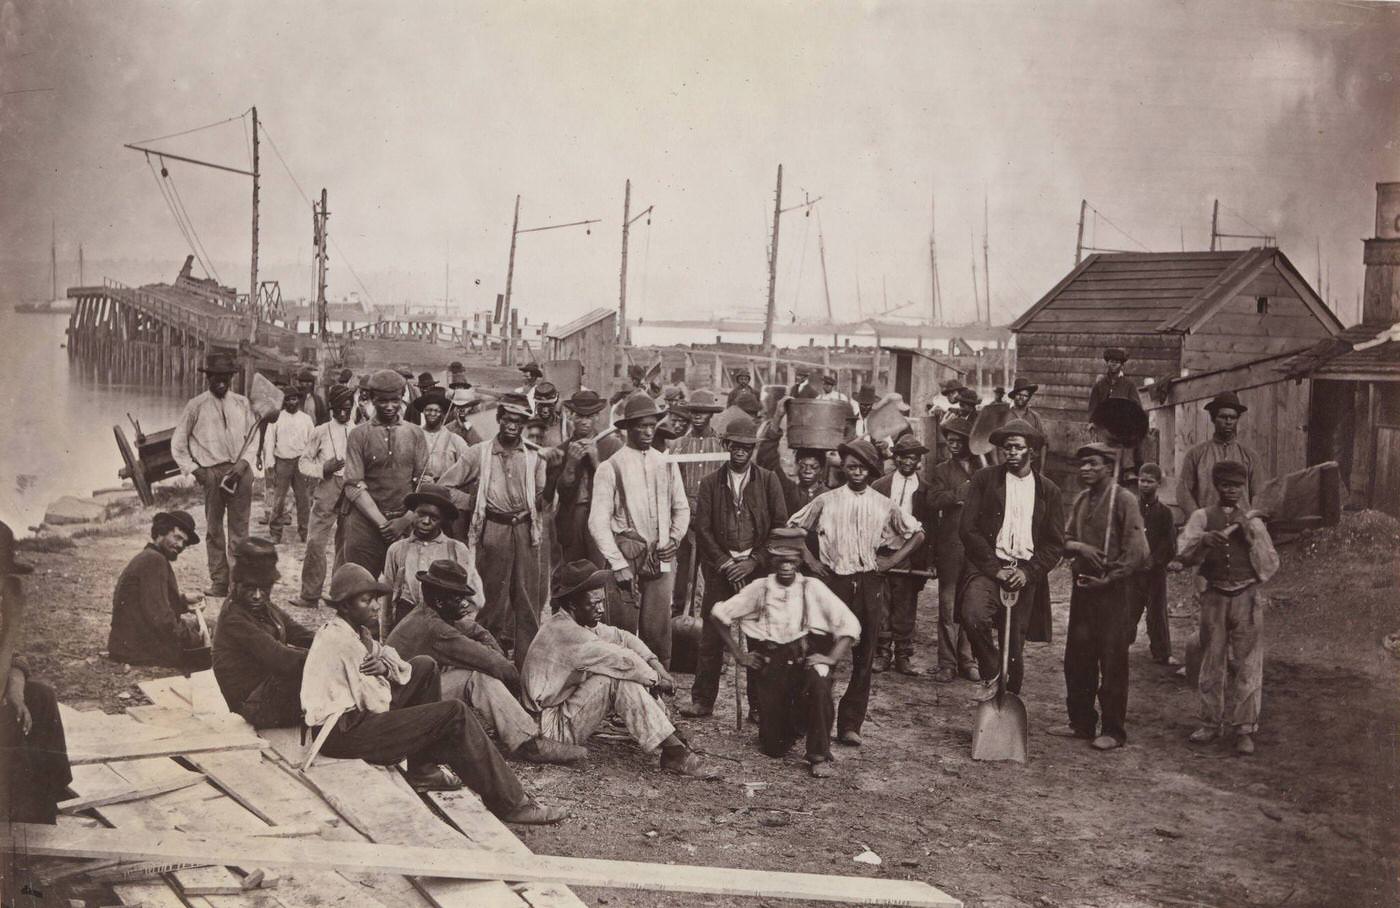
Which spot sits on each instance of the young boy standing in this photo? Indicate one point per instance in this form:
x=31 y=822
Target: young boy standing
x=1151 y=595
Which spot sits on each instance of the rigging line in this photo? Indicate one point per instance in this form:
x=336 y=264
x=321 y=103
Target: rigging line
x=1243 y=218
x=195 y=233
x=801 y=265
x=164 y=194
x=351 y=268
x=646 y=267
x=247 y=140
x=177 y=207
x=1119 y=229
x=275 y=150
x=174 y=135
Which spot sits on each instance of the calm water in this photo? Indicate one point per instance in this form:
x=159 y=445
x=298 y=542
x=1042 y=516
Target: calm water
x=55 y=428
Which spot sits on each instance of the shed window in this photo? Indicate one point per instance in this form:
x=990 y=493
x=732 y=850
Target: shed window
x=1261 y=305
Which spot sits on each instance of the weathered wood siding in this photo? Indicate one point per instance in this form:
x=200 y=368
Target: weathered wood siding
x=1237 y=333
x=1067 y=365
x=593 y=346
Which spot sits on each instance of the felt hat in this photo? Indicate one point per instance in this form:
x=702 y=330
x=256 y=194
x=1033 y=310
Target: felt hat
x=786 y=542
x=219 y=364
x=426 y=380
x=339 y=396
x=8 y=565
x=636 y=373
x=457 y=376
x=703 y=401
x=1106 y=451
x=803 y=371
x=255 y=562
x=181 y=519
x=351 y=579
x=968 y=396
x=1231 y=471
x=863 y=451
x=1227 y=399
x=446 y=574
x=578 y=576
x=432 y=494
x=1023 y=384
x=532 y=369
x=639 y=406
x=461 y=397
x=455 y=366
x=741 y=373
x=345 y=376
x=514 y=402
x=290 y=390
x=956 y=425
x=585 y=402
x=405 y=370
x=386 y=381
x=908 y=444
x=1115 y=353
x=673 y=394
x=546 y=392
x=829 y=378
x=1016 y=427
x=742 y=430
x=748 y=401
x=866 y=395
x=950 y=384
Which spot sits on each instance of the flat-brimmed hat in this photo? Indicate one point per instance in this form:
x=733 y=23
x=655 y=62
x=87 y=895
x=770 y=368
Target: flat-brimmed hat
x=514 y=402
x=8 y=565
x=437 y=394
x=741 y=430
x=956 y=425
x=219 y=364
x=639 y=406
x=351 y=579
x=908 y=444
x=1115 y=353
x=255 y=562
x=1016 y=427
x=426 y=380
x=461 y=397
x=1229 y=471
x=432 y=494
x=446 y=574
x=1227 y=399
x=181 y=519
x=968 y=396
x=950 y=384
x=339 y=396
x=703 y=401
x=546 y=393
x=532 y=369
x=1023 y=384
x=386 y=381
x=578 y=576
x=863 y=451
x=786 y=542
x=585 y=402
x=1096 y=448
x=866 y=395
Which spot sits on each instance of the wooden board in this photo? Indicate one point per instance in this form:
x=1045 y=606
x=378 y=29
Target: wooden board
x=478 y=865
x=166 y=747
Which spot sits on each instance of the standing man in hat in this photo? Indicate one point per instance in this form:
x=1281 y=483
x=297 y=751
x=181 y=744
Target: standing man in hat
x=829 y=391
x=457 y=376
x=445 y=447
x=702 y=406
x=941 y=406
x=861 y=534
x=458 y=420
x=547 y=411
x=803 y=387
x=507 y=532
x=323 y=463
x=1196 y=488
x=575 y=485
x=151 y=619
x=1113 y=383
x=1013 y=532
x=741 y=386
x=699 y=438
x=285 y=442
x=948 y=486
x=432 y=509
x=209 y=444
x=533 y=373
x=1233 y=548
x=427 y=388
x=908 y=490
x=639 y=515
x=1106 y=537
x=1021 y=393
x=385 y=459
x=259 y=650
x=313 y=404
x=737 y=506
x=865 y=402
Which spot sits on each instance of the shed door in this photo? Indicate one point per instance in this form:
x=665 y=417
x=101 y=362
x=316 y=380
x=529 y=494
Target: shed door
x=904 y=376
x=1387 y=476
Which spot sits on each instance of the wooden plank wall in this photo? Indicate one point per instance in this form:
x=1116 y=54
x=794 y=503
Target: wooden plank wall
x=595 y=347
x=1237 y=333
x=1067 y=365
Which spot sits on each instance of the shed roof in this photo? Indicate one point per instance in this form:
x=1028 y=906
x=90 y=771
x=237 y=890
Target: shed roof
x=1158 y=292
x=1378 y=355
x=587 y=320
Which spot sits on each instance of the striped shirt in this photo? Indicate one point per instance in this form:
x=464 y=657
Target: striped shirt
x=851 y=526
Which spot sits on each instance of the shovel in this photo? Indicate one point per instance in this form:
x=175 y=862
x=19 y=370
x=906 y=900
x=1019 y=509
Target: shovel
x=999 y=730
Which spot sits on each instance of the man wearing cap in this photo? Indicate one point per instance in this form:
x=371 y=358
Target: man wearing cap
x=323 y=463
x=797 y=631
x=533 y=373
x=737 y=506
x=209 y=444
x=1151 y=595
x=741 y=386
x=259 y=650
x=861 y=534
x=948 y=485
x=432 y=509
x=445 y=447
x=1113 y=383
x=1195 y=487
x=1105 y=536
x=1013 y=532
x=547 y=411
x=507 y=533
x=575 y=486
x=905 y=488
x=865 y=402
x=699 y=438
x=965 y=404
x=385 y=459
x=473 y=668
x=803 y=387
x=1021 y=393
x=283 y=446
x=151 y=619
x=457 y=376
x=829 y=391
x=312 y=404
x=385 y=709
x=580 y=671
x=458 y=420
x=427 y=388
x=942 y=405
x=1235 y=554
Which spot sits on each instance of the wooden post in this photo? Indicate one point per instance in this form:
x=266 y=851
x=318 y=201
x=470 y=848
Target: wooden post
x=719 y=373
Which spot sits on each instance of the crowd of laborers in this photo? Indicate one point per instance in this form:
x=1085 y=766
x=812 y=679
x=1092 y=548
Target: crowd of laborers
x=533 y=576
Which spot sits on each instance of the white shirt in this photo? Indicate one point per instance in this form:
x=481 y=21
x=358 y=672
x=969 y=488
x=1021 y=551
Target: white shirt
x=737 y=481
x=852 y=525
x=657 y=507
x=767 y=610
x=327 y=443
x=211 y=431
x=902 y=489
x=445 y=448
x=1014 y=540
x=289 y=435
x=331 y=681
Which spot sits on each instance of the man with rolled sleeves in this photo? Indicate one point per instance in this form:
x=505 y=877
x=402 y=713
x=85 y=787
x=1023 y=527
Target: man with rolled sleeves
x=906 y=488
x=1195 y=487
x=947 y=493
x=1113 y=383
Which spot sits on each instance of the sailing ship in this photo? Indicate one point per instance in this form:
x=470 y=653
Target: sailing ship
x=55 y=303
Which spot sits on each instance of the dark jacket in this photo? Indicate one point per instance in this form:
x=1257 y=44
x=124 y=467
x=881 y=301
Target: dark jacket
x=924 y=512
x=254 y=642
x=146 y=610
x=982 y=516
x=1105 y=387
x=1161 y=532
x=762 y=499
x=461 y=644
x=947 y=493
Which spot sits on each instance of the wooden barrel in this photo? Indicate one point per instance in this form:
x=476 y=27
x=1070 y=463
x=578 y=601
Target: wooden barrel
x=817 y=424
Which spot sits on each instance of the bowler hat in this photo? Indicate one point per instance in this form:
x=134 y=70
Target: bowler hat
x=863 y=451
x=546 y=392
x=446 y=574
x=1016 y=427
x=255 y=562
x=1115 y=353
x=351 y=579
x=747 y=401
x=577 y=576
x=514 y=402
x=426 y=380
x=956 y=425
x=950 y=384
x=8 y=565
x=432 y=494
x=829 y=378
x=908 y=444
x=339 y=396
x=181 y=519
x=968 y=396
x=219 y=364
x=585 y=402
x=386 y=381
x=742 y=430
x=866 y=395
x=1231 y=471
x=306 y=375
x=461 y=397
x=532 y=369
x=703 y=401
x=1023 y=384
x=1097 y=448
x=741 y=373
x=639 y=406
x=1227 y=399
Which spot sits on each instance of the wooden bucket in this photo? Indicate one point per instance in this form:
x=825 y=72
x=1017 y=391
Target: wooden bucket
x=819 y=424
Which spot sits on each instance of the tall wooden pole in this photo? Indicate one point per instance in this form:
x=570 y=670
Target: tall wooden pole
x=622 y=289
x=253 y=269
x=1079 y=242
x=826 y=285
x=506 y=321
x=986 y=264
x=773 y=265
x=321 y=216
x=936 y=296
x=976 y=296
x=1214 y=223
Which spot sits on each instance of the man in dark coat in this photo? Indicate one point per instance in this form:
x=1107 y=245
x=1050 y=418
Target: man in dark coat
x=906 y=488
x=737 y=506
x=1013 y=531
x=947 y=494
x=575 y=485
x=1113 y=383
x=151 y=622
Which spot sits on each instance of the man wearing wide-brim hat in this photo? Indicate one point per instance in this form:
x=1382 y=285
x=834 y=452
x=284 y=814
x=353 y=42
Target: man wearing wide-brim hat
x=639 y=515
x=737 y=507
x=149 y=613
x=433 y=510
x=741 y=378
x=533 y=373
x=210 y=443
x=907 y=488
x=460 y=404
x=1021 y=393
x=428 y=389
x=830 y=392
x=323 y=463
x=1013 y=532
x=575 y=484
x=948 y=484
x=1194 y=488
x=1113 y=383
x=861 y=535
x=510 y=529
x=948 y=396
x=700 y=438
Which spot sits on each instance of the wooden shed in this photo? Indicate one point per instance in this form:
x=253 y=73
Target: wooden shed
x=590 y=340
x=917 y=375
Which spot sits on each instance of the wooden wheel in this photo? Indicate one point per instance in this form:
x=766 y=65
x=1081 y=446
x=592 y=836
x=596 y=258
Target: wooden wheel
x=134 y=470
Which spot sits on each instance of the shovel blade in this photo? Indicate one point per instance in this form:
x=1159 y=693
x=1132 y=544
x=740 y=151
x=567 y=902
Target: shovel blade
x=999 y=731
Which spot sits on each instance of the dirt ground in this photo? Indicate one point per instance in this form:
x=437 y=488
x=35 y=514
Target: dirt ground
x=1311 y=820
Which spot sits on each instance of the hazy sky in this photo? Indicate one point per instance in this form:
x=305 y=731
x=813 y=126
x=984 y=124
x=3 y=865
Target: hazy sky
x=424 y=121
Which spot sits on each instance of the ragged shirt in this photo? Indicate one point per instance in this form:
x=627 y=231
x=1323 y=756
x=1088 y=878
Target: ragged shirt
x=288 y=436
x=564 y=653
x=1127 y=543
x=406 y=557
x=328 y=442
x=386 y=461
x=766 y=610
x=1263 y=558
x=1195 y=488
x=445 y=448
x=852 y=526
x=332 y=681
x=656 y=504
x=211 y=431
x=506 y=489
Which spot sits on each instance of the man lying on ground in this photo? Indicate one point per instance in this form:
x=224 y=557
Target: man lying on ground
x=151 y=621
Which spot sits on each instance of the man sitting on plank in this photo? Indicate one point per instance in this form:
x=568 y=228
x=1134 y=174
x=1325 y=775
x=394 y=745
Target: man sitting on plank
x=474 y=668
x=151 y=621
x=386 y=710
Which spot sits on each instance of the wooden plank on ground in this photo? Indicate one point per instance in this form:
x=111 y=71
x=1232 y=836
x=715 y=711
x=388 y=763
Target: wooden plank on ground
x=453 y=863
x=118 y=751
x=81 y=727
x=130 y=793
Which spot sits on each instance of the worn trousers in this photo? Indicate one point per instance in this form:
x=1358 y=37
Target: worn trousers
x=897 y=632
x=954 y=649
x=683 y=592
x=427 y=730
x=793 y=699
x=361 y=543
x=600 y=696
x=286 y=477
x=499 y=709
x=865 y=594
x=326 y=527
x=646 y=612
x=1232 y=624
x=984 y=620
x=1151 y=597
x=513 y=584
x=34 y=768
x=1096 y=658
x=219 y=543
x=709 y=661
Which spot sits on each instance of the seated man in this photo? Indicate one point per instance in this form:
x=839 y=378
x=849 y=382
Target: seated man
x=579 y=671
x=386 y=710
x=151 y=621
x=259 y=650
x=431 y=508
x=473 y=666
x=797 y=630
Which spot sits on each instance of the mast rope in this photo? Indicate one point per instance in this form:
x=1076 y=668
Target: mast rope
x=186 y=132
x=208 y=259
x=170 y=205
